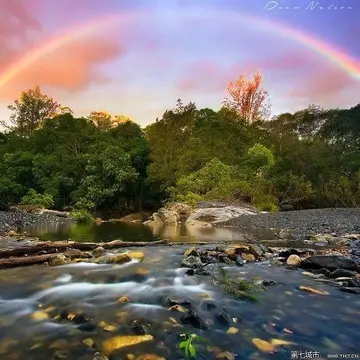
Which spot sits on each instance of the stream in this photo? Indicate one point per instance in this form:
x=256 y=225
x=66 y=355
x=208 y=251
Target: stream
x=66 y=312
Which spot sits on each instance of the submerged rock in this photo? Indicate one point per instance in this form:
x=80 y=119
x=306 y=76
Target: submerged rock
x=225 y=355
x=136 y=255
x=223 y=317
x=99 y=356
x=352 y=290
x=194 y=319
x=140 y=327
x=123 y=341
x=177 y=301
x=342 y=273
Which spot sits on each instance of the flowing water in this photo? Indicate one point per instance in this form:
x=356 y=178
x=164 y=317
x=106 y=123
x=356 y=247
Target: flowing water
x=38 y=306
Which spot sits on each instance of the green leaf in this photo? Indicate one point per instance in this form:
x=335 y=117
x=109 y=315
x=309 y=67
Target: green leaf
x=182 y=345
x=192 y=350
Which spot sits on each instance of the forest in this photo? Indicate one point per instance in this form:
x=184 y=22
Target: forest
x=104 y=163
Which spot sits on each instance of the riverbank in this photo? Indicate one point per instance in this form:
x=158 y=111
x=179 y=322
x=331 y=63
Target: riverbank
x=14 y=220
x=303 y=223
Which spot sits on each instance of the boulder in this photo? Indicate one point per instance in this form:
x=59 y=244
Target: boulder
x=193 y=262
x=294 y=260
x=136 y=255
x=183 y=210
x=217 y=214
x=192 y=252
x=194 y=319
x=248 y=257
x=98 y=251
x=330 y=262
x=119 y=259
x=59 y=259
x=256 y=250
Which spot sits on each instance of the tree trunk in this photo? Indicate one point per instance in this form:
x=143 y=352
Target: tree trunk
x=60 y=246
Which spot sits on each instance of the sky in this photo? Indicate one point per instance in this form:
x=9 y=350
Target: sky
x=137 y=57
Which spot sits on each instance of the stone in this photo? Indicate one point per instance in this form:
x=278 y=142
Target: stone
x=268 y=282
x=331 y=262
x=140 y=327
x=123 y=341
x=223 y=317
x=225 y=355
x=192 y=252
x=256 y=250
x=294 y=260
x=177 y=301
x=183 y=210
x=227 y=261
x=192 y=262
x=342 y=273
x=59 y=259
x=248 y=257
x=119 y=259
x=136 y=255
x=98 y=251
x=88 y=326
x=194 y=319
x=313 y=291
x=73 y=254
x=239 y=261
x=99 y=356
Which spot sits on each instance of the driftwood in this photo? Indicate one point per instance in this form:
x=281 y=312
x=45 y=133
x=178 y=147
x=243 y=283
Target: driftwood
x=24 y=260
x=61 y=246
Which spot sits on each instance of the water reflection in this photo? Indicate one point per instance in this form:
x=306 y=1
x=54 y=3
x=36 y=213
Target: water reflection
x=108 y=231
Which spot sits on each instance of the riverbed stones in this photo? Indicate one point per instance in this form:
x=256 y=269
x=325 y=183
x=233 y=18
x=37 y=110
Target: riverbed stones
x=99 y=356
x=140 y=327
x=193 y=262
x=122 y=341
x=99 y=251
x=294 y=260
x=119 y=259
x=225 y=355
x=59 y=259
x=330 y=262
x=192 y=252
x=223 y=317
x=136 y=255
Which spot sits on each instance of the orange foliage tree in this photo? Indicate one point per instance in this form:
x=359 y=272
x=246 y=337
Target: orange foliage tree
x=248 y=98
x=105 y=121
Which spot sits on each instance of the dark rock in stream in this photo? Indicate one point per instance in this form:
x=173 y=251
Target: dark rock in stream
x=330 y=262
x=194 y=319
x=352 y=290
x=268 y=282
x=239 y=261
x=89 y=326
x=177 y=301
x=140 y=327
x=223 y=317
x=341 y=273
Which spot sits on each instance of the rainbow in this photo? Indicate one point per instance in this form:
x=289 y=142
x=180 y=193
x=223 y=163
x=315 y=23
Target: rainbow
x=337 y=56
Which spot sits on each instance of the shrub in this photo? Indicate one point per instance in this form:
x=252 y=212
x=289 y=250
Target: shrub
x=32 y=198
x=81 y=215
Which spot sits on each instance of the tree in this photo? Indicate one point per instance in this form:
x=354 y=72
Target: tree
x=105 y=121
x=31 y=110
x=248 y=98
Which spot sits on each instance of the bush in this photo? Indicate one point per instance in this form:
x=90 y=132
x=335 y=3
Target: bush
x=32 y=198
x=81 y=216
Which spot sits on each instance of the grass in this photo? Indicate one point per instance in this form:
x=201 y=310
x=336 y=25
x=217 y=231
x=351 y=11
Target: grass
x=240 y=288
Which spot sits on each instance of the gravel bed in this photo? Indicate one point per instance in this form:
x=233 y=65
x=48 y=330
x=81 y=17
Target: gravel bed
x=302 y=223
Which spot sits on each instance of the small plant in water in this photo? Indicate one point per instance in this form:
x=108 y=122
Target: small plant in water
x=240 y=288
x=188 y=346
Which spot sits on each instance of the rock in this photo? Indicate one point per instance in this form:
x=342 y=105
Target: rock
x=342 y=273
x=194 y=319
x=149 y=357
x=256 y=250
x=73 y=254
x=312 y=290
x=223 y=317
x=39 y=315
x=248 y=257
x=225 y=355
x=136 y=255
x=268 y=282
x=294 y=260
x=192 y=252
x=239 y=261
x=192 y=262
x=178 y=308
x=99 y=356
x=330 y=262
x=119 y=259
x=323 y=271
x=88 y=326
x=123 y=299
x=177 y=301
x=98 y=251
x=183 y=210
x=352 y=290
x=59 y=259
x=122 y=341
x=140 y=327
x=232 y=330
x=210 y=305
x=215 y=215
x=239 y=249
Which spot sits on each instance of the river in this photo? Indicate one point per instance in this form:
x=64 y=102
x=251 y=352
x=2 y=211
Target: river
x=38 y=305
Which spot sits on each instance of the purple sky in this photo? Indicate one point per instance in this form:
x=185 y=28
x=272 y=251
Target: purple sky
x=169 y=49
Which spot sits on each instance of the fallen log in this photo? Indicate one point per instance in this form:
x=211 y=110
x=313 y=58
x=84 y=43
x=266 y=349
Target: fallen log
x=60 y=246
x=25 y=260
